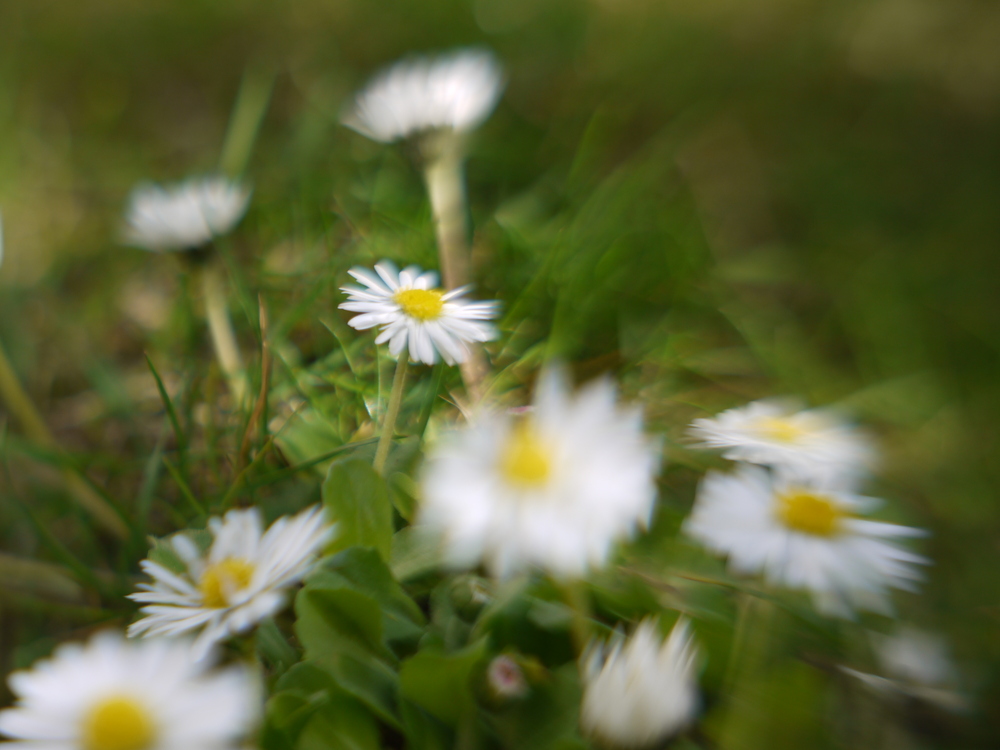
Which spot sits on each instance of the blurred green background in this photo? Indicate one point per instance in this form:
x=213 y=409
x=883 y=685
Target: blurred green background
x=716 y=200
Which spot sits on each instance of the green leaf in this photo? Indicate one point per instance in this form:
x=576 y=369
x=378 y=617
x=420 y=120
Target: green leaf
x=273 y=647
x=362 y=570
x=313 y=711
x=341 y=631
x=358 y=499
x=414 y=553
x=329 y=616
x=441 y=683
x=368 y=679
x=341 y=724
x=423 y=731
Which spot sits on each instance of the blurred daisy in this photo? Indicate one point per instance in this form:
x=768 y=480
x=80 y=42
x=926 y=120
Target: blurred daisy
x=415 y=315
x=240 y=580
x=804 y=536
x=553 y=488
x=453 y=92
x=915 y=664
x=184 y=216
x=111 y=694
x=640 y=690
x=775 y=433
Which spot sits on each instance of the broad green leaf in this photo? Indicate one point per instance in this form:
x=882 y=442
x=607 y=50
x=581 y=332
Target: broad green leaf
x=362 y=570
x=414 y=553
x=340 y=724
x=441 y=683
x=358 y=500
x=329 y=616
x=367 y=678
x=423 y=731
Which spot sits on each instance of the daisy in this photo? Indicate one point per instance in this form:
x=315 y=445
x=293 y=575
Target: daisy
x=804 y=536
x=775 y=433
x=184 y=216
x=554 y=488
x=916 y=665
x=454 y=92
x=415 y=315
x=237 y=582
x=641 y=689
x=112 y=694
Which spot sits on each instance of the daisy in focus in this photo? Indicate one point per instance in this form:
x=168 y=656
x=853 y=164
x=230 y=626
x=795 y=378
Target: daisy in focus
x=804 y=536
x=555 y=487
x=453 y=92
x=112 y=694
x=775 y=433
x=415 y=315
x=642 y=689
x=184 y=216
x=238 y=581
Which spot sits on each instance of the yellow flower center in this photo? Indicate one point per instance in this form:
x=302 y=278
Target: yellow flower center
x=422 y=304
x=809 y=513
x=220 y=581
x=525 y=461
x=118 y=723
x=781 y=429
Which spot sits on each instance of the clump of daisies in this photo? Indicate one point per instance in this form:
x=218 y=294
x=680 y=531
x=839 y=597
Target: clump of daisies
x=437 y=101
x=185 y=216
x=239 y=580
x=790 y=510
x=554 y=487
x=415 y=316
x=113 y=694
x=641 y=689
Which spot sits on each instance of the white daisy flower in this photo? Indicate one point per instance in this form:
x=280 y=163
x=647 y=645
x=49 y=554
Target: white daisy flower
x=240 y=580
x=804 y=536
x=111 y=694
x=184 y=216
x=415 y=315
x=917 y=665
x=553 y=488
x=776 y=433
x=455 y=91
x=643 y=689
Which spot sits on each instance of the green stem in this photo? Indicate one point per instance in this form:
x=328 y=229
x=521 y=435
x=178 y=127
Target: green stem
x=221 y=328
x=389 y=425
x=248 y=114
x=446 y=189
x=23 y=409
x=579 y=628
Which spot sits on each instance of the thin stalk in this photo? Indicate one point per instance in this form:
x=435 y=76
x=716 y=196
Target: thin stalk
x=446 y=189
x=220 y=325
x=24 y=410
x=579 y=627
x=247 y=115
x=389 y=424
x=44 y=580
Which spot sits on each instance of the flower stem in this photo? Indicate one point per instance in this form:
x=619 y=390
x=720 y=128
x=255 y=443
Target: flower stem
x=579 y=628
x=446 y=188
x=23 y=409
x=221 y=328
x=389 y=424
